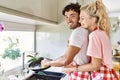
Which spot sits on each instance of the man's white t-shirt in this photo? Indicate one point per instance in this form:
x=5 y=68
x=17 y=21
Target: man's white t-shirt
x=79 y=38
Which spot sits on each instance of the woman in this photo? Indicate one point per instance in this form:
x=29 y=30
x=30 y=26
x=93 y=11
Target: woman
x=94 y=18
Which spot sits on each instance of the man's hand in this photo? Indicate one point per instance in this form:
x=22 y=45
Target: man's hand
x=45 y=63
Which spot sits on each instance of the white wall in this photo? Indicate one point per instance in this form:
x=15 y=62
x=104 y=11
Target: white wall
x=115 y=35
x=115 y=29
x=52 y=40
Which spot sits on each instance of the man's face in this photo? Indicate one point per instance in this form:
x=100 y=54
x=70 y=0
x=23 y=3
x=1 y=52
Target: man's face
x=72 y=19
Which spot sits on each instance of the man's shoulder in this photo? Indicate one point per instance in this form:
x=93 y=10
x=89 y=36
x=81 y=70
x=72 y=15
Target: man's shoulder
x=81 y=30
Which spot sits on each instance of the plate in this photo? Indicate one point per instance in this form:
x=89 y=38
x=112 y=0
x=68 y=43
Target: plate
x=37 y=68
x=36 y=65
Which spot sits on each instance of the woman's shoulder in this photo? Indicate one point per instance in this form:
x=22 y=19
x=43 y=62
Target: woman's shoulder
x=97 y=32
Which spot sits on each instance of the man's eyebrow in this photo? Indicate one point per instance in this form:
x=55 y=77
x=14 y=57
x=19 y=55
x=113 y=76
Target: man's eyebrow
x=72 y=14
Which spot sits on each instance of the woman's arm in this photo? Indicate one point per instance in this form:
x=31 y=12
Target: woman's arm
x=93 y=65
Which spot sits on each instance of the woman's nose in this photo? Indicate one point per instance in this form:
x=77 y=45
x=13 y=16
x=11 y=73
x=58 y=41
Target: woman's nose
x=79 y=21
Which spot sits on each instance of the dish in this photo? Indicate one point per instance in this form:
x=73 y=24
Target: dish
x=36 y=65
x=38 y=68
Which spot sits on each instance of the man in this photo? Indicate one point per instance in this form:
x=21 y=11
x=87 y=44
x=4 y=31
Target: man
x=78 y=41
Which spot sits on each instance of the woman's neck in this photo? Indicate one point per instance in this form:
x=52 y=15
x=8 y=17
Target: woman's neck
x=93 y=28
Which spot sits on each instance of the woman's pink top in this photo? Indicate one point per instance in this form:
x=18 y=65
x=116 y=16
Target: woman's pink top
x=100 y=47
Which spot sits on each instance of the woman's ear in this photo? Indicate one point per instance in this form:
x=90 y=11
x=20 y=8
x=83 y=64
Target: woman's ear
x=95 y=20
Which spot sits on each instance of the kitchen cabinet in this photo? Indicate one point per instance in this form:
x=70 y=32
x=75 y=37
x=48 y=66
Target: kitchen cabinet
x=44 y=9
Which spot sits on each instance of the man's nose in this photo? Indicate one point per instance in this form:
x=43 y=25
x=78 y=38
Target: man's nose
x=68 y=19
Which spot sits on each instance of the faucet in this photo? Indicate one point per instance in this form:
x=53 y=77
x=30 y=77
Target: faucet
x=23 y=61
x=23 y=64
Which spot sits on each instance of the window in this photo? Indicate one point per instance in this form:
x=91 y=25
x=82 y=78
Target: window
x=26 y=44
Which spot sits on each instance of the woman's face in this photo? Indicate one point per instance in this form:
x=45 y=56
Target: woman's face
x=85 y=20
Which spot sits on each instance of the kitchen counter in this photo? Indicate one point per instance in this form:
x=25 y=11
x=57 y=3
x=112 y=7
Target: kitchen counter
x=17 y=74
x=23 y=76
x=51 y=69
x=116 y=64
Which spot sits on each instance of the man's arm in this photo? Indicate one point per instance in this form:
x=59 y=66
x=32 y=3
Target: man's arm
x=64 y=60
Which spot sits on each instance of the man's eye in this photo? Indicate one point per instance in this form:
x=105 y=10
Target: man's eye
x=73 y=15
x=66 y=17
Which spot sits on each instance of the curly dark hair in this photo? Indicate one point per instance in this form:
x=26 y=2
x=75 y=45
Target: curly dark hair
x=72 y=6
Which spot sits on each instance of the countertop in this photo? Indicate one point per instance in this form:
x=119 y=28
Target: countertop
x=116 y=64
x=18 y=75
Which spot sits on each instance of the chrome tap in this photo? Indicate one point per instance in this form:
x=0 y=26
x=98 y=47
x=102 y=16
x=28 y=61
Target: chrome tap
x=23 y=61
x=24 y=68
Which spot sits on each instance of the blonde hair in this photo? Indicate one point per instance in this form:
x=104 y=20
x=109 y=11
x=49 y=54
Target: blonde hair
x=97 y=9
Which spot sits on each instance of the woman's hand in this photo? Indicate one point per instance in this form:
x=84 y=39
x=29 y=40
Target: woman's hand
x=71 y=67
x=67 y=69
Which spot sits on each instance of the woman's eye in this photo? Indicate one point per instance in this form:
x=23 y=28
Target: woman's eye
x=81 y=18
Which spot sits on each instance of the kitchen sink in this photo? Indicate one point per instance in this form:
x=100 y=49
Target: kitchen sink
x=46 y=75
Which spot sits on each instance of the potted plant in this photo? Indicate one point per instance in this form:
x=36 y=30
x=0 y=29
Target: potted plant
x=34 y=57
x=12 y=51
